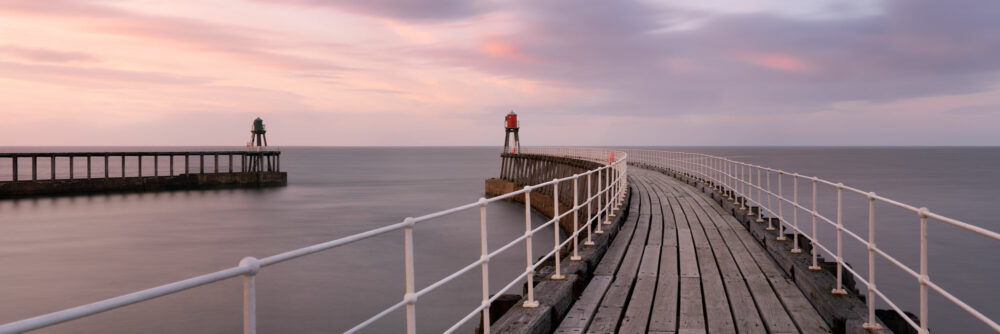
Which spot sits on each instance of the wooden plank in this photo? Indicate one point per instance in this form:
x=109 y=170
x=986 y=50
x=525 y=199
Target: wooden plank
x=805 y=316
x=584 y=309
x=640 y=305
x=616 y=251
x=745 y=315
x=610 y=312
x=775 y=317
x=685 y=244
x=692 y=317
x=720 y=320
x=666 y=300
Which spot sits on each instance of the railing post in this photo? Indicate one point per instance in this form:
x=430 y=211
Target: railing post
x=749 y=195
x=744 y=184
x=107 y=171
x=590 y=225
x=411 y=295
x=607 y=196
x=70 y=166
x=187 y=163
x=171 y=165
x=795 y=214
x=871 y=324
x=139 y=159
x=781 y=214
x=770 y=218
x=250 y=295
x=923 y=270
x=815 y=250
x=555 y=229
x=123 y=166
x=14 y=168
x=576 y=217
x=599 y=208
x=839 y=289
x=484 y=258
x=201 y=164
x=531 y=302
x=230 y=163
x=156 y=164
x=52 y=159
x=760 y=203
x=34 y=168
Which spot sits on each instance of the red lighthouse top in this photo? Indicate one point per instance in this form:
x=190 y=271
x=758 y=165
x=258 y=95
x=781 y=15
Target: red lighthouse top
x=510 y=121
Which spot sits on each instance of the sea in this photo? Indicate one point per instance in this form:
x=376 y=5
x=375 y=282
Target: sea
x=61 y=252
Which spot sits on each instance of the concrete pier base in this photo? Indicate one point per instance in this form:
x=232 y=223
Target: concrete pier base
x=18 y=189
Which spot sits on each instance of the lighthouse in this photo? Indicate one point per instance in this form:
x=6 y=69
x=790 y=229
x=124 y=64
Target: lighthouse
x=511 y=125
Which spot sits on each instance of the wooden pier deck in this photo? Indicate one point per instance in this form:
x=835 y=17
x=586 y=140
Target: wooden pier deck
x=680 y=264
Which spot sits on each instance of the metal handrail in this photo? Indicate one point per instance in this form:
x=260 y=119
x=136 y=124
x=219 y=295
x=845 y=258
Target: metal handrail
x=736 y=180
x=608 y=197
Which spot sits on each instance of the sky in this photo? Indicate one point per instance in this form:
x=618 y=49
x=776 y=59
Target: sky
x=445 y=72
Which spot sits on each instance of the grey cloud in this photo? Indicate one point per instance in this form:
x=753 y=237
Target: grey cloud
x=621 y=48
x=408 y=10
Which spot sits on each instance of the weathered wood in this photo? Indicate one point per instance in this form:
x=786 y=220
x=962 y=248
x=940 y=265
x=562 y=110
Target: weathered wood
x=585 y=308
x=698 y=271
x=720 y=319
x=775 y=317
x=640 y=305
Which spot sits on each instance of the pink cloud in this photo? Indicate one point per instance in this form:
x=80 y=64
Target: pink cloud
x=779 y=62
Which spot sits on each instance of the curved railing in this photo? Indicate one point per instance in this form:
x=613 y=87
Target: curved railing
x=609 y=191
x=743 y=179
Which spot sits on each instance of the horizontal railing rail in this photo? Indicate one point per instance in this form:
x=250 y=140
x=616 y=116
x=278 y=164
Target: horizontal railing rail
x=742 y=184
x=608 y=183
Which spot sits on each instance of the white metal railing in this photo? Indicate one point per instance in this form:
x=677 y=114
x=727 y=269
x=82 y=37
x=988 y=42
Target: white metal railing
x=737 y=180
x=608 y=181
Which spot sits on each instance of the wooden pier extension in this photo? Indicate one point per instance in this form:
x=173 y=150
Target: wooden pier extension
x=681 y=264
x=37 y=174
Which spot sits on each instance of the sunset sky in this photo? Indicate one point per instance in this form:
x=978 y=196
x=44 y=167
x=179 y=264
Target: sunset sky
x=444 y=72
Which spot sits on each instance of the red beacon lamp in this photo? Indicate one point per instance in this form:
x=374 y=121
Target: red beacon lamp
x=511 y=125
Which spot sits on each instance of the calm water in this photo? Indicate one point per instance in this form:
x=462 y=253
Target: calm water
x=63 y=252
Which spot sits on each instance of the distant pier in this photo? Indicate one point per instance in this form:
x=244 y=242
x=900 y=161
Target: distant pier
x=66 y=173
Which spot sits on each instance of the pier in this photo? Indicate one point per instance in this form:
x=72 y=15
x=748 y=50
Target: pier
x=651 y=241
x=63 y=173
